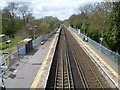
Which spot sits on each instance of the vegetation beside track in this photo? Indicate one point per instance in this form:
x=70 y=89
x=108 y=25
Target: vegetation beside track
x=99 y=20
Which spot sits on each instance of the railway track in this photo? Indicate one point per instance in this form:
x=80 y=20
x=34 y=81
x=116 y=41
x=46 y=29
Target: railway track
x=93 y=77
x=72 y=68
x=62 y=78
x=67 y=73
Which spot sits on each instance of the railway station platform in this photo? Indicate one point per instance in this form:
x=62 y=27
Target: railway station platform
x=33 y=71
x=41 y=78
x=32 y=68
x=107 y=67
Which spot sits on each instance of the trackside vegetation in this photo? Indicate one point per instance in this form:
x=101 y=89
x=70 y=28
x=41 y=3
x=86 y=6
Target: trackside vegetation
x=99 y=20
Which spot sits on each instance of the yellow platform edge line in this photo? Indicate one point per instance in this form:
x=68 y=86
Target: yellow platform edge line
x=39 y=73
x=103 y=61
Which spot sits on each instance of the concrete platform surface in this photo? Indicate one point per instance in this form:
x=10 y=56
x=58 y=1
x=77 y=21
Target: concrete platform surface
x=22 y=73
x=41 y=78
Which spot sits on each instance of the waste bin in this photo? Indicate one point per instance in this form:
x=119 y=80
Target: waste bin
x=25 y=46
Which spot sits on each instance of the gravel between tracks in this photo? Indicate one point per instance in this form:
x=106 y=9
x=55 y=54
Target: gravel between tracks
x=92 y=76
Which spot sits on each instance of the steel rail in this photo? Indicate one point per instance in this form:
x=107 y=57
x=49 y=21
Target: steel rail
x=92 y=71
x=55 y=84
x=62 y=68
x=85 y=85
x=98 y=81
x=71 y=82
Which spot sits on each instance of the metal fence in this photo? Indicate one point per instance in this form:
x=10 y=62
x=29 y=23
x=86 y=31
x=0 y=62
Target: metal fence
x=39 y=39
x=112 y=55
x=13 y=57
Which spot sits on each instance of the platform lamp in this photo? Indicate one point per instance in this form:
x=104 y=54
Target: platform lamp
x=35 y=33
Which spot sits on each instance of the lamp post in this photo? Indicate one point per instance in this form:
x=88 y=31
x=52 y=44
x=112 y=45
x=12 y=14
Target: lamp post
x=34 y=34
x=2 y=68
x=33 y=29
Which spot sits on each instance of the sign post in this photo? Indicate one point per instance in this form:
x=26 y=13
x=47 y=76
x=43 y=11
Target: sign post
x=78 y=31
x=101 y=39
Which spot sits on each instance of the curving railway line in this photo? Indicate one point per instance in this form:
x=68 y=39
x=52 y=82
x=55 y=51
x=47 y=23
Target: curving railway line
x=72 y=68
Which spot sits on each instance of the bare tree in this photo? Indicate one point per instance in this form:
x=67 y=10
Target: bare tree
x=25 y=12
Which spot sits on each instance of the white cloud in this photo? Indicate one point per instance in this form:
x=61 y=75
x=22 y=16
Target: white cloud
x=58 y=8
x=61 y=9
x=2 y=4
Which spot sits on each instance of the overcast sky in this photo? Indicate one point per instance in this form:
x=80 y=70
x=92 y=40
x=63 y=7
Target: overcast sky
x=62 y=9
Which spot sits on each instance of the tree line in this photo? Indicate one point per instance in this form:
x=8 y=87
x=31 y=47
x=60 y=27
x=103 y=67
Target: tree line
x=99 y=20
x=18 y=20
x=14 y=17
